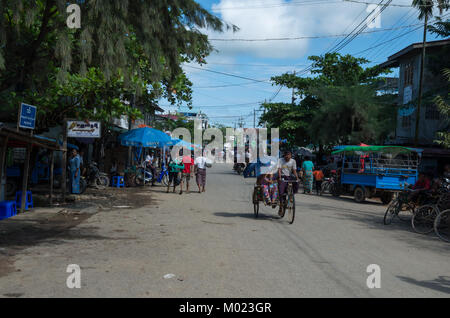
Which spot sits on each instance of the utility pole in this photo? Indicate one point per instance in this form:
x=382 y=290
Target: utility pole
x=254 y=118
x=293 y=93
x=422 y=66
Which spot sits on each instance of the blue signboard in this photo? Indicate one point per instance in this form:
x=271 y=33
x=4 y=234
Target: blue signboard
x=27 y=116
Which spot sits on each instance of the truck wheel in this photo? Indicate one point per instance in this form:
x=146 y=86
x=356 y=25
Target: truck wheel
x=360 y=195
x=386 y=197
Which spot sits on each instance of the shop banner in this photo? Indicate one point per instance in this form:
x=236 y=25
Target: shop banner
x=81 y=129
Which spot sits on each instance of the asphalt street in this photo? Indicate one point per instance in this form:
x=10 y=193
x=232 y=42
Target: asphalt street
x=214 y=247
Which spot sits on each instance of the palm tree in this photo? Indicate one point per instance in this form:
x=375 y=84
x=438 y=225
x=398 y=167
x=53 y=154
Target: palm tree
x=425 y=11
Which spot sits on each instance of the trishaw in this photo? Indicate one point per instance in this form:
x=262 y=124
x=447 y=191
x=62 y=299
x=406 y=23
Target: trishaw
x=376 y=171
x=287 y=203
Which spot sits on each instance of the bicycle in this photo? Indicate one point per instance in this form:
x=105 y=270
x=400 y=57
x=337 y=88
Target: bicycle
x=287 y=202
x=396 y=208
x=424 y=218
x=442 y=225
x=163 y=176
x=143 y=176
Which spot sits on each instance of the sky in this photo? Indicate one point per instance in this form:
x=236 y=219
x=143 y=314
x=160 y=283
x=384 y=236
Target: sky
x=249 y=65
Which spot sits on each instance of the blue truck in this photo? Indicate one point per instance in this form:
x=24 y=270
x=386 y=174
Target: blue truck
x=375 y=171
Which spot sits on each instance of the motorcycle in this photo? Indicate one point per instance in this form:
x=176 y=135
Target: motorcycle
x=239 y=167
x=94 y=177
x=143 y=175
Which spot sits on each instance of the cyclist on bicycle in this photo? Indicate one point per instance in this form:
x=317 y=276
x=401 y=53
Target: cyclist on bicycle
x=422 y=185
x=287 y=171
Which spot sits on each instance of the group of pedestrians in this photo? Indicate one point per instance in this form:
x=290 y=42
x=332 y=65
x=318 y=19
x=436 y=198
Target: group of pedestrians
x=181 y=170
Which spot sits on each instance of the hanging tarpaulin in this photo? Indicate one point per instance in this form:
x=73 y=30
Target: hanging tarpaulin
x=144 y=137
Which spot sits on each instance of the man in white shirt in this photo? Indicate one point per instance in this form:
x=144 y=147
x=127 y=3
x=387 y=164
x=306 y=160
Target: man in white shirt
x=200 y=173
x=150 y=166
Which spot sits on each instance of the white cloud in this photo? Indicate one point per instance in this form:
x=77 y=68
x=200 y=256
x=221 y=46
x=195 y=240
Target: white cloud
x=279 y=19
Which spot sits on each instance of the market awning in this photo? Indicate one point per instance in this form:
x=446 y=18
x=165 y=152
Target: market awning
x=381 y=149
x=144 y=137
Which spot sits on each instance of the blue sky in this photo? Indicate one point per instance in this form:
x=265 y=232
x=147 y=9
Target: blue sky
x=260 y=60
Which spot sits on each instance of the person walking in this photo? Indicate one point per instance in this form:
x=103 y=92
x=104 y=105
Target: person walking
x=188 y=162
x=308 y=168
x=175 y=167
x=200 y=173
x=318 y=178
x=75 y=173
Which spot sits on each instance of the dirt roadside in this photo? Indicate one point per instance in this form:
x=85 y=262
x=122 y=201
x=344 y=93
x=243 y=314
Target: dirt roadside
x=46 y=223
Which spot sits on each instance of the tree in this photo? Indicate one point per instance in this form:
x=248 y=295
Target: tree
x=440 y=28
x=139 y=43
x=444 y=108
x=338 y=104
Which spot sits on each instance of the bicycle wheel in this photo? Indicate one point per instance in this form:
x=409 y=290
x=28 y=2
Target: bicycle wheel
x=290 y=205
x=442 y=225
x=391 y=211
x=165 y=180
x=423 y=219
x=102 y=182
x=255 y=202
x=325 y=188
x=405 y=212
x=139 y=178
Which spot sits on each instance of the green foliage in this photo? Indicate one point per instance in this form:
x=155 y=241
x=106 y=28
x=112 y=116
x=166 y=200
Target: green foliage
x=338 y=104
x=444 y=108
x=124 y=48
x=426 y=7
x=440 y=28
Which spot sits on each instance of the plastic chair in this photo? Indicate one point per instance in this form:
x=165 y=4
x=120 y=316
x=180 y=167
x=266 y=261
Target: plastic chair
x=118 y=182
x=7 y=209
x=28 y=200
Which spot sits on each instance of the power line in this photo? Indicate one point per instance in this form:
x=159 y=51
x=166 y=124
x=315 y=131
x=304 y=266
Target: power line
x=314 y=37
x=340 y=45
x=212 y=106
x=277 y=5
x=394 y=38
x=391 y=5
x=228 y=74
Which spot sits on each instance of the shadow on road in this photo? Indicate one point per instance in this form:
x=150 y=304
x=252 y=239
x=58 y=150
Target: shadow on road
x=441 y=284
x=246 y=216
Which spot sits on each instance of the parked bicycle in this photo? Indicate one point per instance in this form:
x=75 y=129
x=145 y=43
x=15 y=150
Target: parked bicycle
x=425 y=216
x=399 y=207
x=442 y=225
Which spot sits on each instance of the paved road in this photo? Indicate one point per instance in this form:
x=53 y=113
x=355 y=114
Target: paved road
x=215 y=248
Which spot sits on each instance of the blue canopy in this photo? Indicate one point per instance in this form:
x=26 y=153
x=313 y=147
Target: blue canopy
x=144 y=137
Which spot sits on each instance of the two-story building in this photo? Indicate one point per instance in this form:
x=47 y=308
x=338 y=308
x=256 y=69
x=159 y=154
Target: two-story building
x=408 y=60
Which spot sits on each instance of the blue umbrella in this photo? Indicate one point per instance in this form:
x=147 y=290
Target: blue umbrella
x=144 y=137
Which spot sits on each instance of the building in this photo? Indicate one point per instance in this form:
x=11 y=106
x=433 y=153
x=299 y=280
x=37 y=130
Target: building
x=408 y=60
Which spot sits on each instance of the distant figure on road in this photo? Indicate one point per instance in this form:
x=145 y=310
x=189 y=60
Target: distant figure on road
x=200 y=173
x=307 y=168
x=175 y=167
x=318 y=177
x=75 y=173
x=186 y=173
